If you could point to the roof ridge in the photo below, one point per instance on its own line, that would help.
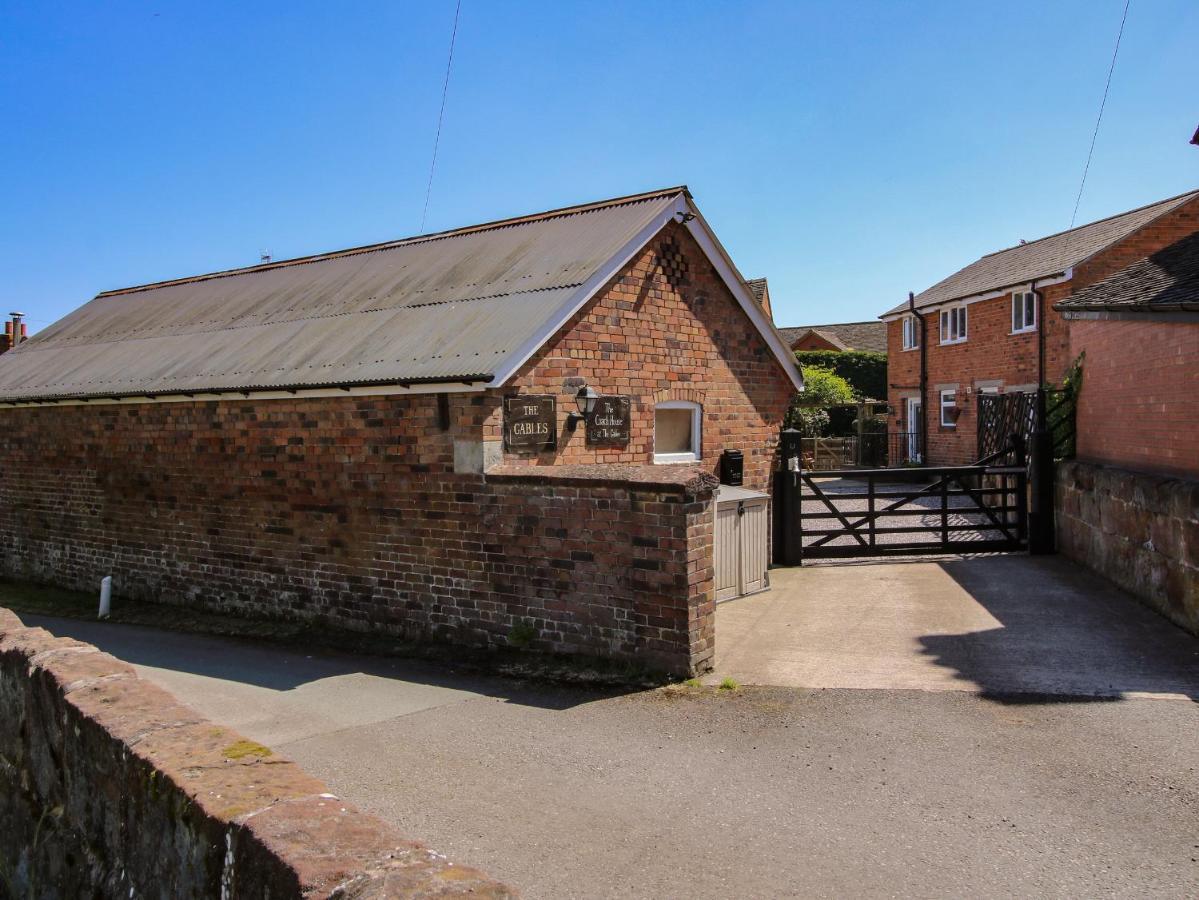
(834, 324)
(1120, 215)
(560, 212)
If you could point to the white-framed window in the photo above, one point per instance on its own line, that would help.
(1024, 311)
(949, 408)
(953, 325)
(677, 437)
(911, 333)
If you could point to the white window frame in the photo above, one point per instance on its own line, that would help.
(953, 324)
(1024, 301)
(952, 394)
(911, 333)
(697, 419)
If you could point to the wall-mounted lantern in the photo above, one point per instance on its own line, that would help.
(585, 401)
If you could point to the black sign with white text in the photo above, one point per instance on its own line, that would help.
(608, 423)
(530, 423)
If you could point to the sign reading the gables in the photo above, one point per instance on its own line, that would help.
(608, 423)
(530, 423)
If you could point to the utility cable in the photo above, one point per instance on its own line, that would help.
(440, 115)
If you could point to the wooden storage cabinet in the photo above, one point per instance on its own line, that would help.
(742, 542)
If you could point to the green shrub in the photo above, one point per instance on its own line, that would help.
(865, 371)
(822, 388)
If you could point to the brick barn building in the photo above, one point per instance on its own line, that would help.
(995, 325)
(512, 427)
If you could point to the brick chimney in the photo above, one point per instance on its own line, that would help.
(15, 332)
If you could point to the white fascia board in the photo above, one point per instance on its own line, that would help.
(978, 298)
(240, 396)
(586, 291)
(714, 250)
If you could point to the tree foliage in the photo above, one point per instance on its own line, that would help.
(865, 371)
(822, 388)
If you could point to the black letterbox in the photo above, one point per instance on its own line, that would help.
(732, 467)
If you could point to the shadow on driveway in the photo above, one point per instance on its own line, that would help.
(1065, 635)
(1013, 628)
(277, 668)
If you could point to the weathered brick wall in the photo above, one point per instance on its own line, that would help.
(1139, 405)
(993, 353)
(1141, 531)
(349, 511)
(111, 788)
(666, 328)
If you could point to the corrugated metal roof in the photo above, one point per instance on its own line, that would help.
(1042, 258)
(451, 305)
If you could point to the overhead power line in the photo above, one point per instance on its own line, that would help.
(440, 115)
(1102, 103)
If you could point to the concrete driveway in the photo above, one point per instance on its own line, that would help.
(1000, 625)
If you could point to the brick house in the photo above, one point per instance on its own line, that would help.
(1128, 504)
(397, 437)
(994, 326)
(867, 336)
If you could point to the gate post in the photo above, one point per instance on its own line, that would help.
(788, 540)
(1041, 538)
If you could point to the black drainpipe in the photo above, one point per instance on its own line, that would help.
(1040, 333)
(1041, 519)
(923, 423)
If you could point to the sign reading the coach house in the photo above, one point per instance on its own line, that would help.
(608, 423)
(530, 423)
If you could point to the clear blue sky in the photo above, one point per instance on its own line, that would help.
(849, 151)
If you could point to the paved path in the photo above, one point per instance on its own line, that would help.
(758, 793)
(996, 625)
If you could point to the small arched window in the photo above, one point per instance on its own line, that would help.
(677, 436)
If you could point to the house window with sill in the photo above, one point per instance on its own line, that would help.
(677, 431)
(1024, 312)
(953, 325)
(911, 333)
(949, 409)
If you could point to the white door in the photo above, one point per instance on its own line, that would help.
(915, 416)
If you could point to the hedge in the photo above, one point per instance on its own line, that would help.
(865, 371)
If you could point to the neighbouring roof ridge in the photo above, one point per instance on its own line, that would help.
(835, 324)
(1119, 215)
(414, 239)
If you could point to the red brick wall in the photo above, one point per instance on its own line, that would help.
(656, 336)
(1139, 405)
(993, 353)
(348, 510)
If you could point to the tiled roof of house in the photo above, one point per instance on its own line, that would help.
(1166, 281)
(844, 336)
(757, 287)
(1042, 258)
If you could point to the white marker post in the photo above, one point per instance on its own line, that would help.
(105, 596)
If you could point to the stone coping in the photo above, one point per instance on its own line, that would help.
(693, 481)
(253, 816)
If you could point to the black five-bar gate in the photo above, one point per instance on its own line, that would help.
(870, 512)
